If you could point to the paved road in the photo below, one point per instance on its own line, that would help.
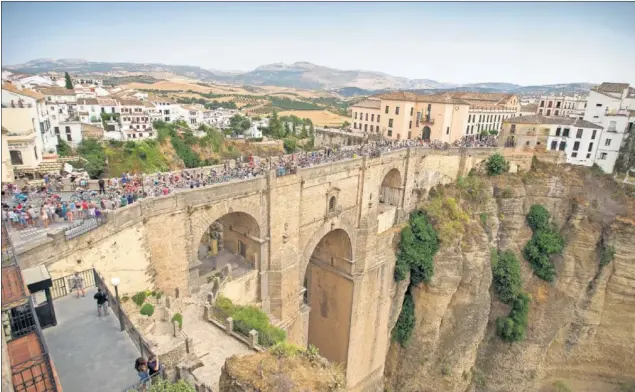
(90, 353)
(22, 237)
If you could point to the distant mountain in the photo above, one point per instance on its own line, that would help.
(302, 75)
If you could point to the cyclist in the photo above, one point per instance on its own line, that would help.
(102, 302)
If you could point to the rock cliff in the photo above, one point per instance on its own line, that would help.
(581, 329)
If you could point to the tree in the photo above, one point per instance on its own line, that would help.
(419, 243)
(346, 124)
(496, 164)
(311, 130)
(303, 133)
(69, 81)
(287, 131)
(293, 128)
(63, 149)
(276, 128)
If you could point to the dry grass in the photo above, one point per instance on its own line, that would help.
(319, 117)
(266, 372)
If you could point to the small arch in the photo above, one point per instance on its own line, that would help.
(332, 204)
(426, 133)
(390, 192)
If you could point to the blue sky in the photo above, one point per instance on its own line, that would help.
(524, 43)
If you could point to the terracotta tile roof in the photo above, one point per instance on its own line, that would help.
(106, 101)
(87, 101)
(369, 103)
(540, 119)
(57, 91)
(496, 98)
(26, 92)
(130, 102)
(612, 87)
(431, 98)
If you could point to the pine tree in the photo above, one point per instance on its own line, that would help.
(287, 130)
(275, 126)
(69, 82)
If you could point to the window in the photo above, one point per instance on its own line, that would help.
(390, 132)
(542, 105)
(57, 130)
(593, 134)
(396, 109)
(390, 122)
(365, 127)
(35, 152)
(69, 137)
(556, 113)
(410, 127)
(355, 125)
(412, 110)
(558, 105)
(372, 117)
(596, 116)
(558, 131)
(576, 146)
(167, 119)
(409, 135)
(612, 126)
(540, 111)
(467, 130)
(565, 133)
(469, 118)
(447, 131)
(472, 129)
(548, 112)
(387, 109)
(562, 146)
(371, 127)
(607, 142)
(588, 156)
(590, 147)
(366, 117)
(67, 129)
(480, 118)
(598, 105)
(574, 155)
(554, 145)
(549, 104)
(603, 155)
(355, 115)
(16, 157)
(578, 135)
(378, 118)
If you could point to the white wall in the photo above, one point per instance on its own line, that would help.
(588, 143)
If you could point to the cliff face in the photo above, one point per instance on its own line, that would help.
(581, 327)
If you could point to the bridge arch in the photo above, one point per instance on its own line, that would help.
(391, 188)
(328, 291)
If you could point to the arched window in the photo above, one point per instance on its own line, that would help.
(332, 203)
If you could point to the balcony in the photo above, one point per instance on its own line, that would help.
(426, 121)
(20, 136)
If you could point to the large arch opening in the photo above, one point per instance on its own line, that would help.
(328, 291)
(233, 239)
(426, 133)
(389, 200)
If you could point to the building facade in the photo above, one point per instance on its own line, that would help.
(7, 167)
(611, 106)
(579, 140)
(405, 115)
(560, 105)
(444, 117)
(135, 120)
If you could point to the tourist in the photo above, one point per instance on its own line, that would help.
(141, 366)
(78, 284)
(44, 217)
(102, 186)
(102, 302)
(154, 367)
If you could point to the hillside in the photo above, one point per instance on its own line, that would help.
(299, 75)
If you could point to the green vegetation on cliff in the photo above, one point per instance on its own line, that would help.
(419, 243)
(247, 318)
(545, 242)
(406, 321)
(512, 328)
(496, 164)
(506, 276)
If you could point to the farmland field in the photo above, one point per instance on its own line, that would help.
(318, 117)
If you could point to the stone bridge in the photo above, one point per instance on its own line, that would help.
(318, 243)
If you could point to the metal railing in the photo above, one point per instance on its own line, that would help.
(17, 322)
(34, 375)
(65, 285)
(142, 345)
(142, 386)
(84, 227)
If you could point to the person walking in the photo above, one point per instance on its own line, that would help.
(78, 284)
(102, 302)
(44, 217)
(141, 366)
(102, 186)
(154, 366)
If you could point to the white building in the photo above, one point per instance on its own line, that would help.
(560, 105)
(220, 117)
(610, 105)
(135, 119)
(108, 105)
(487, 111)
(87, 80)
(165, 109)
(29, 135)
(192, 115)
(253, 132)
(89, 110)
(69, 131)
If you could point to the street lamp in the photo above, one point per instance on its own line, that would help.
(115, 282)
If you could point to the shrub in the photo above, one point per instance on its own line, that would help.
(247, 318)
(448, 217)
(147, 310)
(496, 164)
(607, 255)
(139, 298)
(484, 218)
(560, 386)
(289, 145)
(419, 243)
(125, 299)
(507, 193)
(538, 217)
(512, 328)
(506, 276)
(402, 331)
(178, 318)
(166, 386)
(544, 242)
(286, 350)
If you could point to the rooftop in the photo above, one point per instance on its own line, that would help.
(88, 101)
(532, 107)
(483, 98)
(612, 87)
(540, 119)
(413, 97)
(26, 92)
(57, 91)
(369, 103)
